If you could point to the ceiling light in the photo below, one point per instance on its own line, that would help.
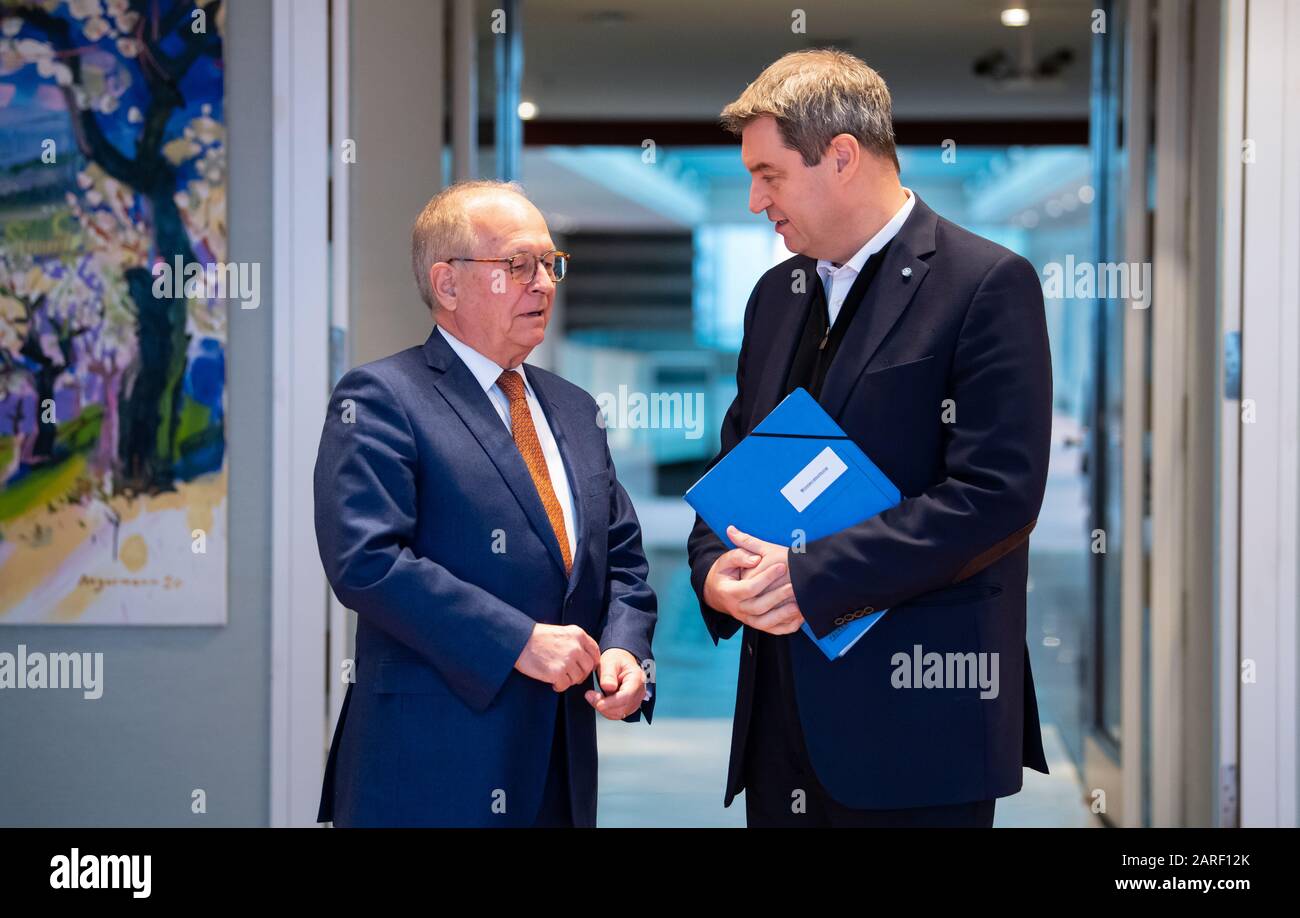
(1015, 16)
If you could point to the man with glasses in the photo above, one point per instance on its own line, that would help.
(468, 510)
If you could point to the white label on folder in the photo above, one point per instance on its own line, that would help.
(815, 478)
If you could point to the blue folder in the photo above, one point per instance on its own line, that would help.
(797, 477)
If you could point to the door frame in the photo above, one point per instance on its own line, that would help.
(300, 361)
(1118, 772)
(1267, 200)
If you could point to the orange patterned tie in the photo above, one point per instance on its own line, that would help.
(525, 434)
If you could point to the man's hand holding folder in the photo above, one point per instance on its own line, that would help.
(751, 583)
(797, 477)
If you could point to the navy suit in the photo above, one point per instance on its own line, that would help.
(431, 529)
(949, 316)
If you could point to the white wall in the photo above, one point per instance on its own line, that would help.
(396, 101)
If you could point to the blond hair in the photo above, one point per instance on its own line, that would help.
(444, 230)
(814, 96)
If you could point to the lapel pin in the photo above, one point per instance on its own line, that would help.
(907, 272)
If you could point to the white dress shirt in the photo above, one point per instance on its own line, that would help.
(486, 370)
(838, 279)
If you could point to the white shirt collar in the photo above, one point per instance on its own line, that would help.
(486, 370)
(874, 244)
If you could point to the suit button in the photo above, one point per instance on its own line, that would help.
(840, 620)
(868, 610)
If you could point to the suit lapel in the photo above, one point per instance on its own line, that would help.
(785, 339)
(900, 275)
(462, 391)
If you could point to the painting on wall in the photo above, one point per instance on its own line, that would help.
(112, 334)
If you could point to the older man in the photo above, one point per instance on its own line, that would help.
(928, 344)
(467, 509)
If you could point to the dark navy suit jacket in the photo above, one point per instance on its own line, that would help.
(431, 529)
(965, 323)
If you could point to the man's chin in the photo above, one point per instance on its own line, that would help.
(796, 244)
(530, 338)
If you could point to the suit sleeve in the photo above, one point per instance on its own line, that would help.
(995, 456)
(703, 547)
(631, 608)
(365, 487)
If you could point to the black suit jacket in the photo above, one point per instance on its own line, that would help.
(944, 380)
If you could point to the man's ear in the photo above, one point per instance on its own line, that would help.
(443, 280)
(845, 154)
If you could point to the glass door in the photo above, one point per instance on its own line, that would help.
(1118, 454)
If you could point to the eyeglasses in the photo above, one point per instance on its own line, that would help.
(523, 265)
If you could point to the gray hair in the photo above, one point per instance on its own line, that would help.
(444, 230)
(814, 96)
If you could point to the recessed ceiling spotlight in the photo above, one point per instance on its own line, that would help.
(1015, 16)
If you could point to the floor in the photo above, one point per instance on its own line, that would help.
(670, 775)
